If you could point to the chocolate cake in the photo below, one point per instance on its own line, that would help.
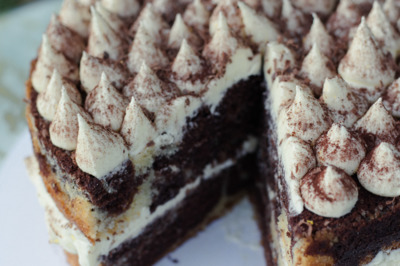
(146, 118)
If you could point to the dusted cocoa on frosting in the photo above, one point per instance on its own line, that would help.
(391, 98)
(319, 36)
(181, 31)
(329, 192)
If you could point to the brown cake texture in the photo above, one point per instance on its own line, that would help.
(150, 118)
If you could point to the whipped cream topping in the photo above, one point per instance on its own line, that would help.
(136, 128)
(282, 93)
(304, 118)
(379, 122)
(297, 159)
(223, 44)
(179, 32)
(144, 48)
(99, 151)
(92, 67)
(319, 36)
(317, 67)
(106, 105)
(185, 67)
(112, 19)
(379, 173)
(329, 192)
(172, 118)
(391, 98)
(146, 87)
(196, 15)
(48, 60)
(318, 6)
(294, 18)
(155, 24)
(64, 40)
(228, 8)
(47, 101)
(392, 11)
(258, 27)
(365, 65)
(64, 127)
(121, 7)
(344, 18)
(272, 8)
(383, 31)
(345, 107)
(76, 16)
(340, 148)
(278, 59)
(103, 42)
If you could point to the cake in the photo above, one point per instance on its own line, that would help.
(150, 118)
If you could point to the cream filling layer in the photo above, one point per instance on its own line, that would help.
(71, 239)
(386, 258)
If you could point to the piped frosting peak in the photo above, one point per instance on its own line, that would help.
(317, 67)
(47, 101)
(391, 98)
(136, 128)
(345, 107)
(64, 127)
(379, 122)
(196, 15)
(76, 16)
(319, 36)
(340, 148)
(179, 32)
(103, 42)
(304, 118)
(329, 192)
(106, 105)
(365, 65)
(229, 8)
(278, 59)
(293, 17)
(99, 151)
(122, 8)
(187, 63)
(92, 67)
(48, 60)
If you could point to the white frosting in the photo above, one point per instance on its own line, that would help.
(317, 67)
(112, 19)
(381, 173)
(258, 27)
(243, 64)
(364, 65)
(106, 105)
(75, 16)
(391, 98)
(146, 87)
(47, 101)
(64, 127)
(329, 193)
(179, 32)
(186, 65)
(171, 118)
(345, 107)
(340, 148)
(378, 121)
(304, 118)
(65, 40)
(344, 17)
(99, 151)
(293, 17)
(196, 15)
(123, 8)
(136, 128)
(223, 44)
(48, 60)
(282, 93)
(102, 38)
(91, 69)
(392, 11)
(277, 59)
(297, 159)
(319, 36)
(271, 7)
(383, 31)
(144, 48)
(386, 257)
(228, 8)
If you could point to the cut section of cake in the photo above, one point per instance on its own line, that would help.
(146, 125)
(328, 191)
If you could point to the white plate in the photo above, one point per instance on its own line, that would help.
(233, 240)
